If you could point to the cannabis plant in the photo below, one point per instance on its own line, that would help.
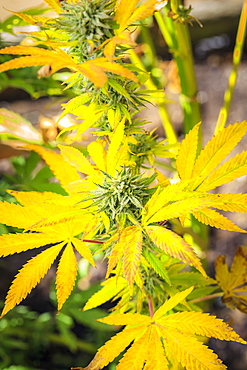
(118, 202)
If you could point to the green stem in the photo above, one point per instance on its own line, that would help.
(237, 54)
(177, 38)
(169, 130)
(150, 53)
(211, 296)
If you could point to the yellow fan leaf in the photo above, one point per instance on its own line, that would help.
(66, 275)
(29, 276)
(93, 73)
(222, 273)
(18, 216)
(145, 10)
(54, 4)
(124, 301)
(176, 335)
(127, 12)
(213, 218)
(97, 152)
(69, 223)
(156, 358)
(171, 303)
(228, 171)
(33, 197)
(177, 209)
(17, 243)
(73, 104)
(80, 186)
(123, 157)
(105, 221)
(118, 249)
(229, 202)
(238, 271)
(191, 353)
(110, 47)
(233, 283)
(90, 114)
(201, 324)
(76, 137)
(172, 244)
(46, 35)
(57, 59)
(126, 319)
(167, 195)
(114, 68)
(123, 38)
(132, 254)
(109, 351)
(116, 140)
(76, 159)
(187, 154)
(93, 222)
(218, 148)
(63, 171)
(162, 179)
(111, 287)
(35, 20)
(135, 356)
(28, 61)
(28, 216)
(113, 118)
(28, 50)
(27, 198)
(60, 218)
(124, 9)
(83, 249)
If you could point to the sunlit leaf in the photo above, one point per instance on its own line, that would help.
(63, 171)
(35, 269)
(66, 275)
(54, 4)
(161, 335)
(218, 148)
(172, 244)
(187, 154)
(233, 282)
(215, 219)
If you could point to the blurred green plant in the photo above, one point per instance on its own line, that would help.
(32, 340)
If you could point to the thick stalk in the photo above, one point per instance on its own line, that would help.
(177, 38)
(237, 54)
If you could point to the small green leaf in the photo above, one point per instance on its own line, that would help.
(157, 265)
